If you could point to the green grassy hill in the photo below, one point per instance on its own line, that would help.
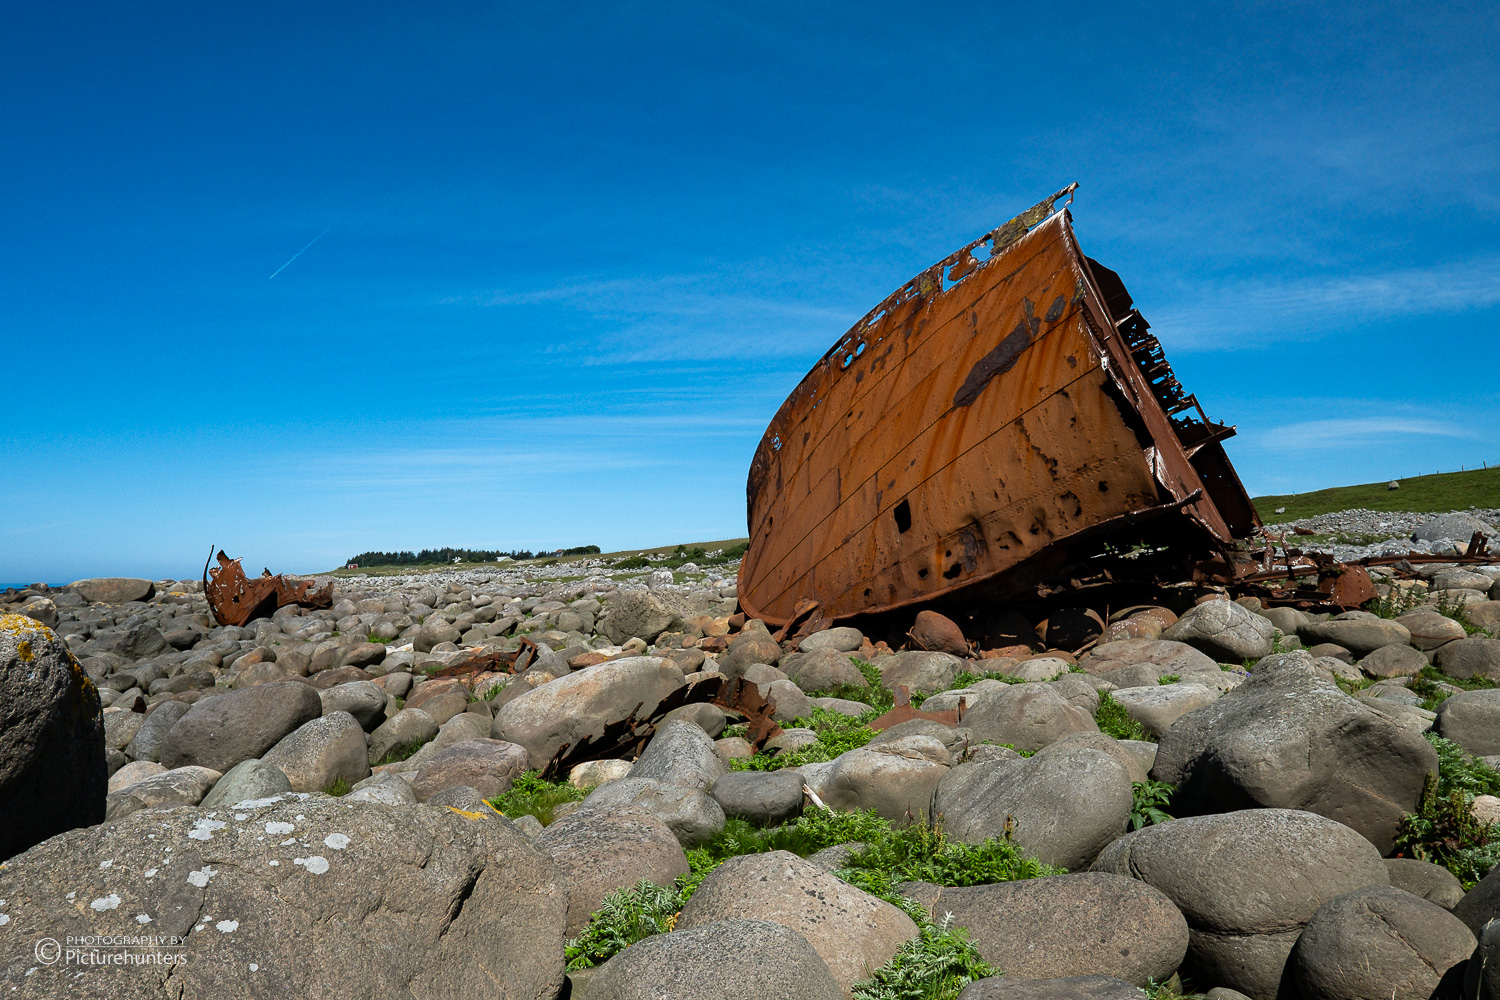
(660, 550)
(1443, 491)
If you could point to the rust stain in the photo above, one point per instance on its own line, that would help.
(977, 437)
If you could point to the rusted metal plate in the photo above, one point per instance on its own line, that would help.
(989, 410)
(234, 599)
(904, 712)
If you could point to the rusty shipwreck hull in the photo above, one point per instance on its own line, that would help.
(996, 422)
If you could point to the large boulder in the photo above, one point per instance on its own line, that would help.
(1247, 882)
(1430, 630)
(854, 932)
(1472, 720)
(1425, 879)
(246, 781)
(134, 643)
(1026, 716)
(598, 851)
(690, 814)
(148, 741)
(1161, 657)
(1360, 632)
(53, 776)
(1062, 807)
(1396, 660)
(1381, 941)
(1067, 988)
(1475, 656)
(822, 670)
(362, 699)
(182, 786)
(401, 733)
(636, 614)
(1289, 738)
(222, 730)
(938, 633)
(1224, 630)
(1158, 706)
(727, 960)
(302, 897)
(841, 640)
(318, 753)
(581, 706)
(113, 589)
(681, 753)
(1090, 923)
(763, 797)
(919, 670)
(488, 766)
(1456, 527)
(895, 778)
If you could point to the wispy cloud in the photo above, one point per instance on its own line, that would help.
(1313, 435)
(1223, 314)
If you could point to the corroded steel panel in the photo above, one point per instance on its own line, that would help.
(984, 412)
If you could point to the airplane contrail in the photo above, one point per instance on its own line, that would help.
(304, 250)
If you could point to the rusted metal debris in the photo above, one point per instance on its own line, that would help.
(904, 712)
(235, 599)
(1003, 426)
(628, 737)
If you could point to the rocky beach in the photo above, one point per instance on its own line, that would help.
(410, 793)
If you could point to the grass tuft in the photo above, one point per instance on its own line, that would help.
(1114, 721)
(532, 795)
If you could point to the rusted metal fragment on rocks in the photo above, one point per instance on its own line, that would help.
(1003, 424)
(235, 599)
(904, 712)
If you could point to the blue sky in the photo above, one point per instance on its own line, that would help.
(573, 256)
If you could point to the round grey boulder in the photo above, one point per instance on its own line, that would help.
(1426, 880)
(840, 640)
(1455, 527)
(148, 741)
(680, 753)
(313, 897)
(1381, 941)
(362, 699)
(1357, 631)
(1158, 656)
(599, 851)
(182, 786)
(1026, 716)
(1089, 923)
(1062, 807)
(727, 960)
(53, 775)
(222, 730)
(920, 671)
(1475, 656)
(408, 728)
(1067, 988)
(485, 764)
(113, 589)
(320, 752)
(1472, 720)
(1247, 882)
(636, 614)
(245, 782)
(853, 931)
(1225, 631)
(824, 669)
(690, 814)
(763, 797)
(1395, 660)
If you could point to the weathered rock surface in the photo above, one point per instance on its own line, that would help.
(1063, 807)
(1472, 720)
(52, 771)
(922, 671)
(1380, 941)
(1159, 656)
(690, 814)
(113, 589)
(763, 797)
(1157, 707)
(1247, 882)
(1026, 716)
(852, 931)
(320, 752)
(182, 786)
(441, 905)
(598, 852)
(1088, 923)
(637, 614)
(1357, 631)
(1288, 738)
(246, 781)
(578, 708)
(488, 766)
(221, 731)
(1225, 631)
(727, 960)
(1426, 880)
(681, 753)
(1068, 988)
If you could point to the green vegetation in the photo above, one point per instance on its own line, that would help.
(338, 787)
(936, 965)
(625, 917)
(966, 679)
(876, 695)
(1428, 685)
(837, 733)
(1442, 491)
(1172, 988)
(1148, 802)
(401, 752)
(1114, 721)
(434, 556)
(1444, 829)
(681, 556)
(933, 966)
(532, 795)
